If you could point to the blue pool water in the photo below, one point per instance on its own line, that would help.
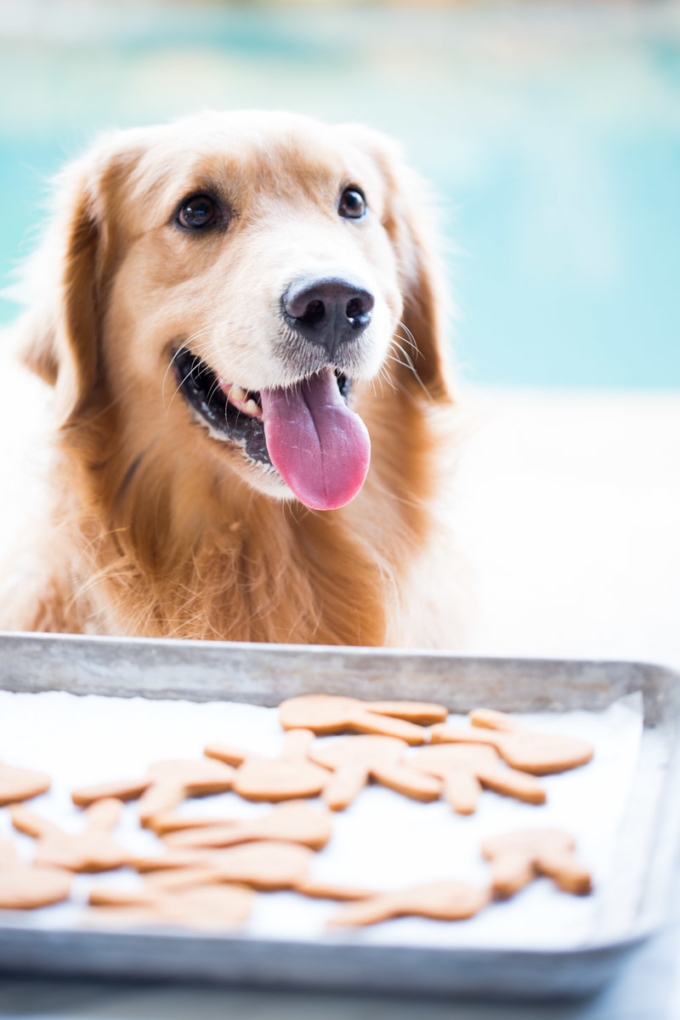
(551, 134)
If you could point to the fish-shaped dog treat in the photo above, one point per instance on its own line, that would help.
(466, 769)
(91, 850)
(21, 784)
(23, 887)
(290, 776)
(356, 761)
(526, 750)
(289, 822)
(211, 908)
(266, 866)
(327, 714)
(517, 858)
(441, 901)
(166, 784)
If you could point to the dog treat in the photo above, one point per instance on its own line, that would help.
(424, 713)
(318, 890)
(23, 887)
(21, 784)
(538, 753)
(327, 714)
(177, 858)
(91, 851)
(441, 901)
(357, 760)
(520, 857)
(291, 822)
(261, 865)
(205, 907)
(303, 885)
(466, 769)
(167, 784)
(266, 866)
(289, 777)
(170, 821)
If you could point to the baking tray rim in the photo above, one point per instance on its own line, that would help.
(352, 651)
(643, 926)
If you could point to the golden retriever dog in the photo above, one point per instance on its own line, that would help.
(241, 315)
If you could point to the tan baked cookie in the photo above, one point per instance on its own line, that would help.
(441, 901)
(176, 858)
(329, 714)
(288, 777)
(465, 769)
(520, 857)
(21, 784)
(538, 753)
(265, 866)
(90, 851)
(170, 821)
(319, 890)
(268, 866)
(291, 822)
(424, 713)
(23, 887)
(166, 784)
(205, 907)
(357, 760)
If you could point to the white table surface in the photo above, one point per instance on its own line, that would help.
(568, 505)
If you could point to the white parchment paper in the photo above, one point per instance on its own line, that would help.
(382, 841)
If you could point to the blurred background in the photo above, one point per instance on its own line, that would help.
(550, 131)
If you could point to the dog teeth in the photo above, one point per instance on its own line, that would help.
(238, 398)
(252, 408)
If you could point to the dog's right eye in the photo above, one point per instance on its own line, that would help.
(197, 212)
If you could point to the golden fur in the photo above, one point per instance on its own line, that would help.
(154, 527)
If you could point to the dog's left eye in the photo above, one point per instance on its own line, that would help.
(197, 212)
(352, 204)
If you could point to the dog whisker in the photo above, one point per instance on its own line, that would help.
(185, 345)
(409, 338)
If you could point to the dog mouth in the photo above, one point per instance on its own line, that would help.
(306, 432)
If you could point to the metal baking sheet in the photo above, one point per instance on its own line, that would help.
(632, 903)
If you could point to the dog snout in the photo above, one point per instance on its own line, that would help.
(329, 312)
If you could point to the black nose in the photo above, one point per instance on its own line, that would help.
(328, 312)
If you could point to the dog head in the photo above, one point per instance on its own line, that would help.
(242, 286)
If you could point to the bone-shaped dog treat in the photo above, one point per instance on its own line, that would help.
(327, 714)
(21, 784)
(266, 866)
(91, 851)
(166, 784)
(357, 760)
(520, 857)
(467, 768)
(538, 753)
(442, 901)
(26, 888)
(286, 778)
(291, 822)
(205, 907)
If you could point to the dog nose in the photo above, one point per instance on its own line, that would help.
(328, 312)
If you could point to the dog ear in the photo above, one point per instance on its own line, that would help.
(66, 279)
(409, 222)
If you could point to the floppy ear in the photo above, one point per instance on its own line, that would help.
(408, 220)
(59, 334)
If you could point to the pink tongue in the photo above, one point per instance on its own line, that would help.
(319, 447)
